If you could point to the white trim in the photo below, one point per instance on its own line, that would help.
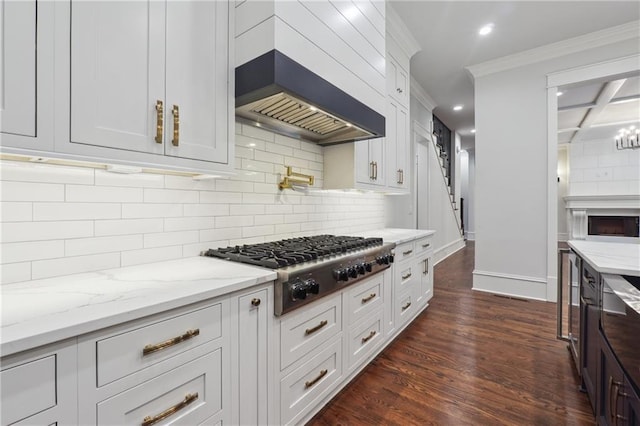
(471, 235)
(456, 245)
(606, 202)
(552, 194)
(421, 95)
(398, 30)
(555, 50)
(563, 236)
(510, 285)
(624, 65)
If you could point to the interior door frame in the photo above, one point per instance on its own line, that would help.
(619, 66)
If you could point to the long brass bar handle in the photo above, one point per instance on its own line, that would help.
(369, 297)
(311, 330)
(426, 267)
(404, 277)
(402, 176)
(188, 399)
(149, 349)
(407, 253)
(310, 383)
(405, 307)
(159, 121)
(375, 170)
(176, 125)
(371, 170)
(399, 176)
(369, 337)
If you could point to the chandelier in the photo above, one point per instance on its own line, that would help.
(628, 138)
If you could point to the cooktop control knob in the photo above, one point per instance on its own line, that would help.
(368, 267)
(312, 286)
(361, 269)
(298, 291)
(390, 257)
(353, 272)
(340, 275)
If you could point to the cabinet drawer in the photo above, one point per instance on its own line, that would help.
(302, 388)
(404, 251)
(301, 332)
(423, 245)
(364, 338)
(188, 394)
(28, 389)
(131, 351)
(406, 306)
(405, 275)
(364, 298)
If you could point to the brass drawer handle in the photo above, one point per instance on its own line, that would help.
(407, 253)
(404, 277)
(369, 297)
(159, 121)
(255, 302)
(426, 245)
(369, 337)
(151, 420)
(149, 349)
(310, 383)
(405, 307)
(308, 331)
(176, 125)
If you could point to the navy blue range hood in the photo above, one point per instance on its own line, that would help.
(275, 92)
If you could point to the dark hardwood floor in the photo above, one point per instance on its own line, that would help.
(470, 359)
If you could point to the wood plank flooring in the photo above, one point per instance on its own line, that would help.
(470, 359)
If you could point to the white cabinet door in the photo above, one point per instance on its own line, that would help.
(253, 321)
(117, 73)
(397, 81)
(26, 80)
(363, 162)
(398, 173)
(196, 74)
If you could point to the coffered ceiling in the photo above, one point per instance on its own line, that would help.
(598, 110)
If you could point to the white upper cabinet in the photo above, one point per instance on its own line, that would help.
(26, 40)
(398, 147)
(397, 81)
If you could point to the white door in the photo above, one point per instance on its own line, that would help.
(197, 108)
(18, 96)
(422, 184)
(117, 73)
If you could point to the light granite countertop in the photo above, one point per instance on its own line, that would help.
(608, 257)
(397, 235)
(44, 311)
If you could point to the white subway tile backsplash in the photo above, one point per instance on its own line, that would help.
(128, 226)
(140, 180)
(256, 133)
(133, 211)
(82, 246)
(136, 257)
(74, 265)
(296, 162)
(614, 159)
(269, 219)
(102, 194)
(288, 228)
(305, 155)
(188, 223)
(232, 186)
(31, 191)
(242, 152)
(32, 172)
(188, 183)
(251, 143)
(266, 188)
(233, 221)
(251, 198)
(274, 160)
(206, 209)
(246, 209)
(220, 234)
(170, 238)
(189, 250)
(32, 250)
(290, 142)
(37, 231)
(16, 212)
(256, 231)
(152, 195)
(15, 272)
(275, 148)
(598, 175)
(258, 165)
(221, 197)
(76, 211)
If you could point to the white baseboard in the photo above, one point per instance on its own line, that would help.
(447, 250)
(510, 285)
(471, 236)
(563, 236)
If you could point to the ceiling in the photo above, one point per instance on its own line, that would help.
(447, 32)
(598, 110)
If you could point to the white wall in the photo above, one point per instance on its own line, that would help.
(467, 190)
(598, 168)
(511, 172)
(563, 191)
(63, 220)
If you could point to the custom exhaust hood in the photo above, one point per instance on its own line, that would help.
(277, 93)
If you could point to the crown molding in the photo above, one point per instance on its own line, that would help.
(421, 95)
(592, 40)
(399, 31)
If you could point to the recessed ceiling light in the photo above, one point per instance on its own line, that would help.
(486, 29)
(473, 130)
(560, 93)
(457, 107)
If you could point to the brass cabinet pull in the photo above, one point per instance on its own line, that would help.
(369, 297)
(404, 277)
(310, 383)
(407, 253)
(149, 349)
(176, 125)
(151, 420)
(369, 337)
(615, 403)
(402, 176)
(159, 121)
(405, 307)
(426, 267)
(375, 170)
(316, 328)
(255, 301)
(426, 245)
(399, 176)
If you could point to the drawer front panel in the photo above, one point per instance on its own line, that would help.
(28, 389)
(186, 395)
(365, 298)
(406, 306)
(404, 251)
(301, 332)
(406, 275)
(364, 338)
(123, 354)
(423, 245)
(301, 389)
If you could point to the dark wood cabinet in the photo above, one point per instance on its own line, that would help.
(590, 319)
